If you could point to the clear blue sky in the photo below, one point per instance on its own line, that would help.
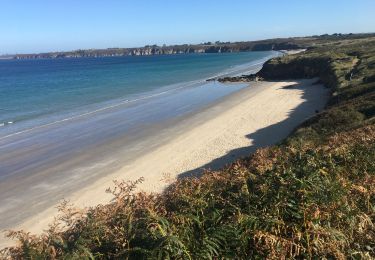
(47, 25)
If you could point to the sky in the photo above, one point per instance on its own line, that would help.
(31, 26)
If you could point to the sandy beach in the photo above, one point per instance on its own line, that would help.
(256, 116)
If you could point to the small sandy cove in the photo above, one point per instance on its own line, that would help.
(259, 115)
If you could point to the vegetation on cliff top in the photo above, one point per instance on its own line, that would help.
(312, 196)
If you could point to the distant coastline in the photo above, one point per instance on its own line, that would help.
(207, 47)
(150, 50)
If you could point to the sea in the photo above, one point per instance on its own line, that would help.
(39, 92)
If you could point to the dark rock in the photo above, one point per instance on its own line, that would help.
(243, 78)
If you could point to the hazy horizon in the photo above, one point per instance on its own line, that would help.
(36, 26)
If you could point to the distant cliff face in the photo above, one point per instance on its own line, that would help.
(169, 50)
(277, 46)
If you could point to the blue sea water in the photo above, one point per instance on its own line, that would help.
(41, 91)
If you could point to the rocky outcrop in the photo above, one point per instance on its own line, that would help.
(284, 68)
(243, 78)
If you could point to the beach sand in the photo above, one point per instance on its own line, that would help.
(256, 116)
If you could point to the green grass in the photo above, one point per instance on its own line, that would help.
(310, 197)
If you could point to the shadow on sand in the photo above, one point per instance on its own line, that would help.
(314, 99)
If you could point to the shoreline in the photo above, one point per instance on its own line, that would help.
(232, 127)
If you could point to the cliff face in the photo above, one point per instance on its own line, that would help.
(169, 50)
(147, 51)
(281, 68)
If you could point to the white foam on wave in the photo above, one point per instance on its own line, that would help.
(6, 123)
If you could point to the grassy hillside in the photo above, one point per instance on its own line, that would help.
(312, 196)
